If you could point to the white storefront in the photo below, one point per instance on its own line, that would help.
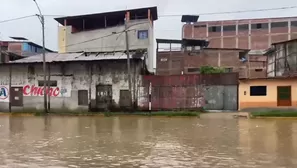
(73, 77)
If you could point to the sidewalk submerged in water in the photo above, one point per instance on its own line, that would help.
(107, 114)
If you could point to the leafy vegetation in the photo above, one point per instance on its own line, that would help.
(211, 70)
(275, 113)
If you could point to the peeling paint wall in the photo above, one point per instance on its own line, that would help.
(185, 92)
(71, 77)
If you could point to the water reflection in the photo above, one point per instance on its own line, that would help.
(146, 142)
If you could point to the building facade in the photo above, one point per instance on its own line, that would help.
(106, 32)
(77, 82)
(21, 47)
(282, 59)
(253, 34)
(267, 93)
(190, 61)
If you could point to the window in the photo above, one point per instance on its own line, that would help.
(260, 26)
(243, 27)
(258, 70)
(229, 28)
(293, 23)
(83, 97)
(258, 90)
(198, 26)
(279, 24)
(242, 56)
(142, 34)
(191, 70)
(214, 29)
(228, 70)
(51, 83)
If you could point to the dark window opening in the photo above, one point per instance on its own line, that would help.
(229, 28)
(83, 97)
(31, 70)
(293, 23)
(242, 55)
(258, 90)
(142, 34)
(198, 26)
(228, 70)
(279, 24)
(260, 26)
(243, 27)
(98, 22)
(191, 70)
(258, 70)
(51, 83)
(214, 29)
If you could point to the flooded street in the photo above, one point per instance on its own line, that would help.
(147, 142)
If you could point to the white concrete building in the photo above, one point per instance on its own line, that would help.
(105, 32)
(77, 81)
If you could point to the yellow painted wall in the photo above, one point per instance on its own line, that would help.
(270, 100)
(62, 39)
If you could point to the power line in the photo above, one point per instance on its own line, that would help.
(212, 13)
(241, 11)
(19, 18)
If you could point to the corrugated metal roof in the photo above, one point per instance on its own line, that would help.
(68, 57)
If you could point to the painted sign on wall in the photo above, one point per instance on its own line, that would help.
(4, 94)
(32, 90)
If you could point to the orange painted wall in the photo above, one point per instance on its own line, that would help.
(270, 100)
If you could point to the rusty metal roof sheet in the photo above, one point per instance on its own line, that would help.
(71, 57)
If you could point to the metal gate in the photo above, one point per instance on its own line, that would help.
(103, 97)
(16, 96)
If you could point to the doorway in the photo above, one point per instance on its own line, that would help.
(103, 97)
(16, 94)
(284, 97)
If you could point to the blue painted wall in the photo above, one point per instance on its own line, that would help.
(30, 48)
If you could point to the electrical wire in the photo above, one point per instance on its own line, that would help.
(19, 18)
(212, 13)
(241, 11)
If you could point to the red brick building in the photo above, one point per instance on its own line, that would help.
(189, 61)
(253, 34)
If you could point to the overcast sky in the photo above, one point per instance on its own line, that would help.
(165, 27)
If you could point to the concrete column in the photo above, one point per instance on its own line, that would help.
(207, 28)
(222, 34)
(149, 16)
(127, 16)
(269, 33)
(250, 38)
(193, 30)
(237, 34)
(289, 29)
(219, 58)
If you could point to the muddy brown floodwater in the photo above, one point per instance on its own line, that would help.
(60, 142)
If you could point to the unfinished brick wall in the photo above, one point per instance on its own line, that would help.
(177, 62)
(246, 35)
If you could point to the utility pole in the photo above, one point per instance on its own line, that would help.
(128, 62)
(46, 90)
